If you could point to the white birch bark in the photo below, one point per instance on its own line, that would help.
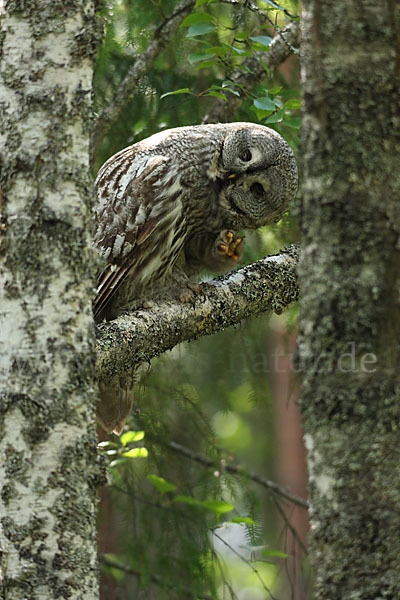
(47, 433)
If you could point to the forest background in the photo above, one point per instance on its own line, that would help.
(228, 399)
(193, 507)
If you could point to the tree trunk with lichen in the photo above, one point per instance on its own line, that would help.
(48, 473)
(349, 346)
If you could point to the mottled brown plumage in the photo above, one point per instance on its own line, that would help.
(170, 206)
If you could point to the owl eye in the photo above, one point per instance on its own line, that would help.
(257, 189)
(245, 156)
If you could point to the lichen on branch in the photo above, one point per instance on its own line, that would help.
(269, 284)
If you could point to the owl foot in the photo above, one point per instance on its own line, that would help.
(229, 245)
(189, 292)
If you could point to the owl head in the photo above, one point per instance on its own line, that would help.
(257, 175)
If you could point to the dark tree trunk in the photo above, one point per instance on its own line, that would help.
(349, 347)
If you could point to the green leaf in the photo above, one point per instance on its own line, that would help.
(265, 67)
(205, 64)
(264, 40)
(274, 553)
(264, 103)
(293, 103)
(240, 51)
(197, 57)
(275, 90)
(202, 2)
(276, 117)
(247, 520)
(218, 50)
(274, 5)
(217, 95)
(200, 17)
(187, 500)
(161, 484)
(117, 574)
(294, 122)
(262, 114)
(200, 29)
(107, 444)
(225, 88)
(136, 453)
(131, 436)
(117, 461)
(277, 102)
(234, 92)
(181, 91)
(217, 506)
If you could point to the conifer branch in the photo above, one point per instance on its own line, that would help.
(108, 562)
(271, 486)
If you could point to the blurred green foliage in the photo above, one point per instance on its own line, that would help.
(213, 396)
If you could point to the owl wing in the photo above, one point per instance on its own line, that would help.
(129, 191)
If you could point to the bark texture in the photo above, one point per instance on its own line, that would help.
(349, 346)
(48, 472)
(268, 284)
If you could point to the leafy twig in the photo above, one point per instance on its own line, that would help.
(141, 67)
(254, 70)
(256, 9)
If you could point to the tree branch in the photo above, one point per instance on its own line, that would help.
(113, 564)
(254, 8)
(162, 36)
(247, 562)
(268, 284)
(272, 486)
(281, 47)
(223, 111)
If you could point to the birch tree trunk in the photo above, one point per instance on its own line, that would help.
(48, 473)
(349, 346)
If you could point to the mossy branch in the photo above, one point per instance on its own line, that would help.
(269, 284)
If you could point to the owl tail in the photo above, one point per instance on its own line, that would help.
(114, 406)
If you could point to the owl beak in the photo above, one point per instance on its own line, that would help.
(232, 176)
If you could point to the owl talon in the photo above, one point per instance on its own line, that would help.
(190, 291)
(229, 245)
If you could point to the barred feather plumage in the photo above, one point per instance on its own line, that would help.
(171, 205)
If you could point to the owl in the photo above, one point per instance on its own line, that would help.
(171, 206)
